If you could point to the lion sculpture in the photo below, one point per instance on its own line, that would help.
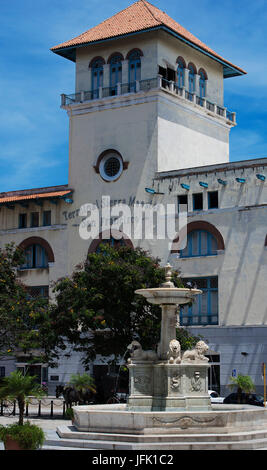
(196, 354)
(137, 353)
(174, 353)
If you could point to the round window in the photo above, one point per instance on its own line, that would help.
(111, 166)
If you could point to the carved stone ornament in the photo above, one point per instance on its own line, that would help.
(174, 353)
(196, 354)
(137, 353)
(175, 383)
(196, 384)
(142, 383)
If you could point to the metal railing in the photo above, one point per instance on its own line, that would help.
(199, 320)
(210, 106)
(220, 111)
(119, 89)
(147, 85)
(43, 407)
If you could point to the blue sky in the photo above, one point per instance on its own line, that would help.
(33, 128)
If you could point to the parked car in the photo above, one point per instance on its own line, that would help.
(215, 397)
(244, 399)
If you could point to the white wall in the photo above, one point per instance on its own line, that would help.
(188, 137)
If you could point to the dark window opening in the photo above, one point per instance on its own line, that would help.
(168, 75)
(182, 200)
(213, 201)
(171, 75)
(162, 72)
(35, 219)
(214, 376)
(197, 202)
(47, 218)
(22, 220)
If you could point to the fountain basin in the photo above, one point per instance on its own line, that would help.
(114, 427)
(148, 426)
(169, 295)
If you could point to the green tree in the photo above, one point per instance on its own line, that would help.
(19, 387)
(97, 310)
(243, 383)
(82, 383)
(186, 339)
(19, 314)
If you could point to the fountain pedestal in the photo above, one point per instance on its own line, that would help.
(168, 387)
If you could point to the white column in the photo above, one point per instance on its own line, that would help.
(124, 71)
(118, 88)
(186, 79)
(168, 329)
(206, 88)
(106, 77)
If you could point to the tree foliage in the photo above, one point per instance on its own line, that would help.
(19, 314)
(97, 309)
(243, 383)
(20, 387)
(82, 383)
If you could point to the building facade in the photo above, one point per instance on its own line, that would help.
(148, 127)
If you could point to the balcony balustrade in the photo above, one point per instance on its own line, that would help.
(147, 85)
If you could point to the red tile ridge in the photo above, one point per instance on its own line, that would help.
(23, 197)
(138, 16)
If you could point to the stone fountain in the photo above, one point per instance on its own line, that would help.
(165, 380)
(168, 405)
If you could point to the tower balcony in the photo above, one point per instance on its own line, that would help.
(141, 86)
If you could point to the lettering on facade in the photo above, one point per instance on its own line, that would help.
(70, 215)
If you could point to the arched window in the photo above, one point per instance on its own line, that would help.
(134, 58)
(107, 238)
(197, 226)
(191, 78)
(180, 72)
(115, 71)
(35, 257)
(97, 75)
(111, 242)
(38, 253)
(199, 243)
(202, 83)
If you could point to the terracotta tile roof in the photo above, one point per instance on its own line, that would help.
(26, 195)
(139, 16)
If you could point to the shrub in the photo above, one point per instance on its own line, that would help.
(29, 436)
(69, 414)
